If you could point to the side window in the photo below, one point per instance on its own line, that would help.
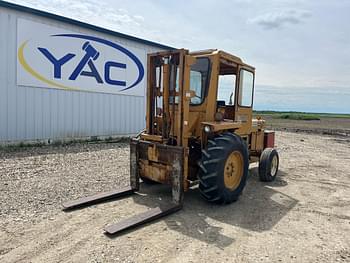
(199, 79)
(196, 85)
(246, 88)
(226, 89)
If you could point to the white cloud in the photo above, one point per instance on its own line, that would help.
(91, 11)
(316, 54)
(280, 18)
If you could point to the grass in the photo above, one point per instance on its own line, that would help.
(293, 115)
(298, 116)
(91, 140)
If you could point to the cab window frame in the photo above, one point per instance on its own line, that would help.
(234, 79)
(205, 87)
(240, 89)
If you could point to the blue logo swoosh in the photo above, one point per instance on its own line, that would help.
(116, 46)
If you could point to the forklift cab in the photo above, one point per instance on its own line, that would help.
(225, 85)
(235, 89)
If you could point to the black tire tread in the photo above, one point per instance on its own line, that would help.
(264, 165)
(214, 158)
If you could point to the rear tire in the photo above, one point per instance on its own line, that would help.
(268, 165)
(223, 169)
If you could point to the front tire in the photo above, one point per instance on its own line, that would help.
(223, 169)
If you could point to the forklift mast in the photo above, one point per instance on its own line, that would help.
(168, 97)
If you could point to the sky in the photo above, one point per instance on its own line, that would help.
(300, 48)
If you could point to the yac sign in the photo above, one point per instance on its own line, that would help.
(50, 57)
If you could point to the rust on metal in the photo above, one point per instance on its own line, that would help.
(269, 139)
(164, 164)
(155, 171)
(98, 198)
(149, 137)
(142, 218)
(134, 170)
(165, 153)
(177, 181)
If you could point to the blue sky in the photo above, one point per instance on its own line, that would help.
(300, 48)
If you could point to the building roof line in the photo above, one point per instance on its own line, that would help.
(80, 24)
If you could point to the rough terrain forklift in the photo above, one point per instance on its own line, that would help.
(199, 130)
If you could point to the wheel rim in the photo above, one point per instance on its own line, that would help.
(274, 165)
(233, 170)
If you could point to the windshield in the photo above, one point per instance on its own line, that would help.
(199, 80)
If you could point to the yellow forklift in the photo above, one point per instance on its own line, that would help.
(199, 130)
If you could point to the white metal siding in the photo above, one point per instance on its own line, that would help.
(29, 113)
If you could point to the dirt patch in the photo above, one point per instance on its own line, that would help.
(324, 126)
(304, 216)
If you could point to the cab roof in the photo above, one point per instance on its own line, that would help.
(223, 55)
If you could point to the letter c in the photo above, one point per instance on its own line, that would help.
(108, 79)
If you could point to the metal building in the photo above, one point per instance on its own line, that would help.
(61, 78)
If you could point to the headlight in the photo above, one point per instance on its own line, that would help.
(207, 128)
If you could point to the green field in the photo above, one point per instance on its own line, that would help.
(293, 115)
(322, 123)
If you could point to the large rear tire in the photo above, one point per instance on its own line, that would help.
(223, 169)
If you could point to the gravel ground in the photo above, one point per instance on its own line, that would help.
(304, 216)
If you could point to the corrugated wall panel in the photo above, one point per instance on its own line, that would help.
(11, 82)
(3, 74)
(30, 113)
